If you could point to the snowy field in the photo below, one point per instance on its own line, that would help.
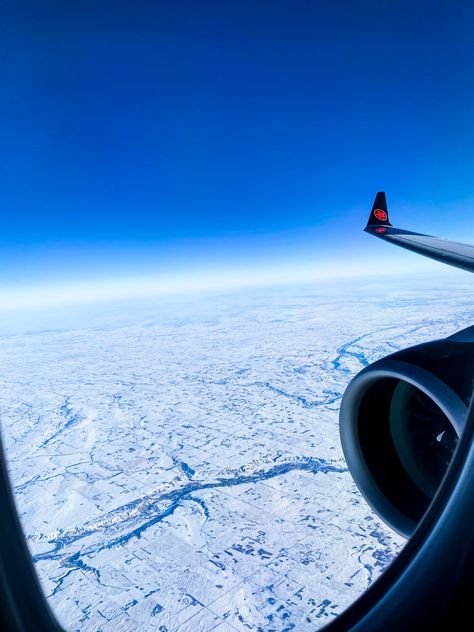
(176, 461)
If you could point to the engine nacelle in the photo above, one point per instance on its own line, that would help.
(400, 420)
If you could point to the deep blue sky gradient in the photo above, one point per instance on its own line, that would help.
(160, 136)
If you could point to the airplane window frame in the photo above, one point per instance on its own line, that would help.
(412, 590)
(23, 606)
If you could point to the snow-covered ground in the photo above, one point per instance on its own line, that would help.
(176, 461)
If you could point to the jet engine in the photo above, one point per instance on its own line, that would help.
(400, 420)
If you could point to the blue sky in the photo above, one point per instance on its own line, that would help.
(218, 139)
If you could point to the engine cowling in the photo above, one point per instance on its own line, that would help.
(400, 420)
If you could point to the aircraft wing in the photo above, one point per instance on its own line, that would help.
(452, 253)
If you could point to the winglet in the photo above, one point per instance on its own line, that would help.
(379, 213)
(449, 252)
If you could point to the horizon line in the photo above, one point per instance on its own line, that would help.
(146, 286)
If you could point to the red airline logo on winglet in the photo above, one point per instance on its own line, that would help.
(380, 215)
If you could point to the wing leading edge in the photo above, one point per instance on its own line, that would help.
(452, 253)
